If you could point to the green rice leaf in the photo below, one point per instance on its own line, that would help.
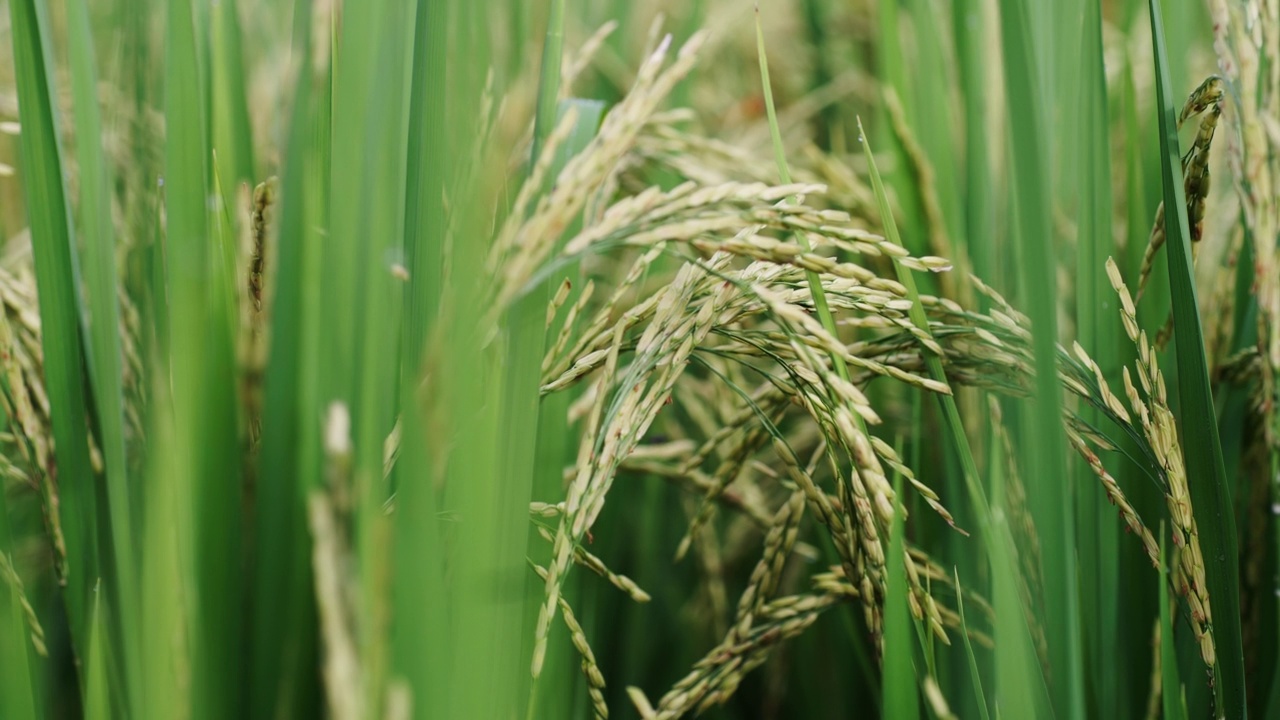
(105, 363)
(1098, 329)
(1044, 458)
(232, 132)
(97, 700)
(378, 47)
(973, 55)
(549, 80)
(166, 577)
(421, 599)
(975, 675)
(430, 164)
(206, 460)
(283, 628)
(51, 240)
(1202, 448)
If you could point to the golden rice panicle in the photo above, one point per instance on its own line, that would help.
(9, 575)
(1159, 427)
(522, 244)
(590, 668)
(768, 571)
(662, 354)
(584, 558)
(1133, 523)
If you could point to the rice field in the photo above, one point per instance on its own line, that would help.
(521, 360)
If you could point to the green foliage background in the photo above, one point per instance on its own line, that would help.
(383, 488)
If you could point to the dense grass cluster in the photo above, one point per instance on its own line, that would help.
(505, 360)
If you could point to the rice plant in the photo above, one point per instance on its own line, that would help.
(493, 359)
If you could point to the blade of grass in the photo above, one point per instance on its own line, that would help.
(359, 307)
(421, 598)
(933, 116)
(354, 62)
(1044, 455)
(381, 47)
(488, 564)
(96, 231)
(978, 202)
(526, 343)
(890, 68)
(816, 18)
(975, 675)
(283, 681)
(224, 240)
(232, 132)
(1019, 680)
(208, 485)
(549, 80)
(164, 583)
(429, 165)
(1097, 326)
(1202, 448)
(97, 703)
(156, 274)
(973, 54)
(51, 240)
(1147, 498)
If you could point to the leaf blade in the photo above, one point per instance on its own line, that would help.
(1210, 492)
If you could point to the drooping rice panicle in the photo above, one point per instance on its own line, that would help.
(10, 577)
(590, 669)
(1150, 407)
(1207, 100)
